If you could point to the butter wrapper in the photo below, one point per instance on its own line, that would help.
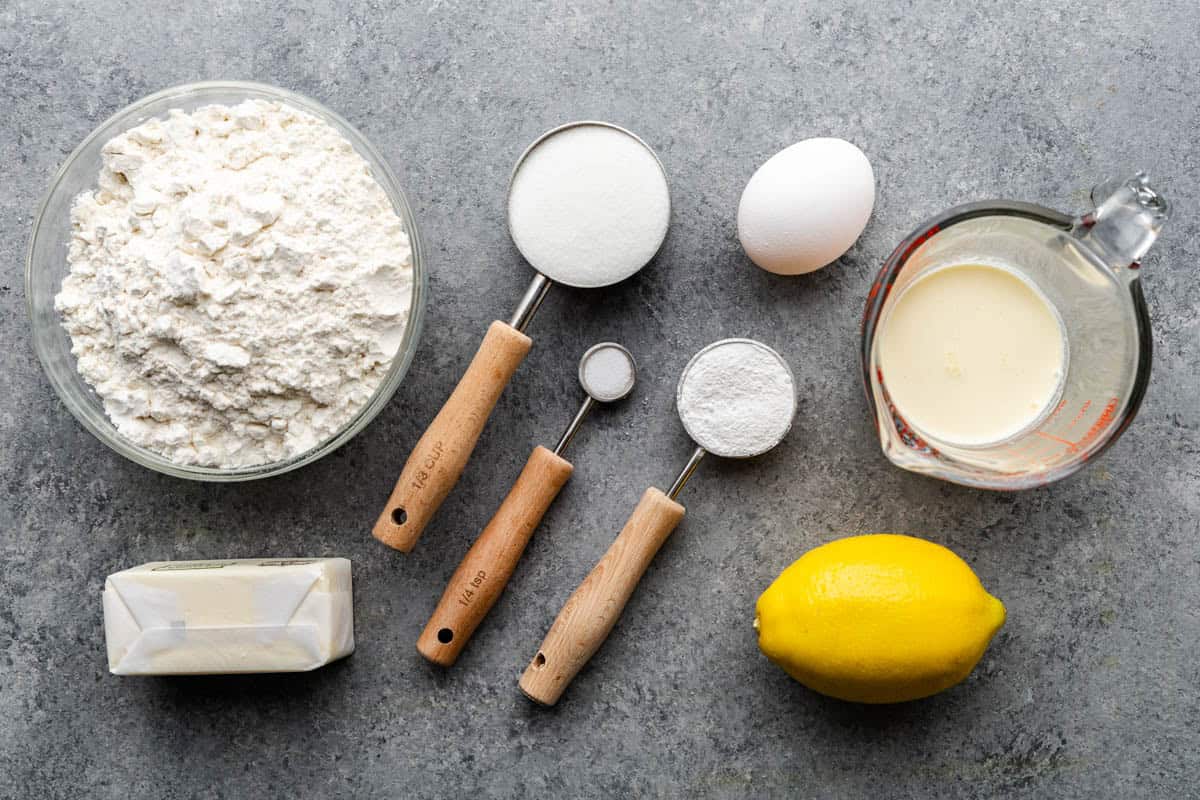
(228, 616)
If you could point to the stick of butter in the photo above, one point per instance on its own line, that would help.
(236, 615)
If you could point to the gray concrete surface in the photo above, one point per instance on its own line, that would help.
(1089, 691)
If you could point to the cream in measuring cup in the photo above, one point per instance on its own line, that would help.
(1005, 345)
(973, 353)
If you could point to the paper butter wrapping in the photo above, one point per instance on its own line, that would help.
(228, 616)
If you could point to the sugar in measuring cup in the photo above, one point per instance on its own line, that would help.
(588, 206)
(1005, 344)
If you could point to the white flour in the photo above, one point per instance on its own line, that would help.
(737, 399)
(238, 284)
(589, 206)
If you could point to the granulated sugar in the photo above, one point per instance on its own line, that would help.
(737, 399)
(589, 206)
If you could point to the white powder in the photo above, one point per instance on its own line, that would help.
(737, 399)
(238, 286)
(607, 373)
(589, 206)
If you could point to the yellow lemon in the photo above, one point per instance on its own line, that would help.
(877, 619)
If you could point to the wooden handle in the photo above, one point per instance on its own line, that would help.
(487, 566)
(439, 457)
(590, 613)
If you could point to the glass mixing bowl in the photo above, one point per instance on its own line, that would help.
(46, 266)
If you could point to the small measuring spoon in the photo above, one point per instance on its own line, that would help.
(556, 188)
(607, 373)
(736, 398)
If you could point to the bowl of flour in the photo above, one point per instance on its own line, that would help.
(225, 282)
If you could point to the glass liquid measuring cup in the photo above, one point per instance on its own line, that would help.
(1087, 267)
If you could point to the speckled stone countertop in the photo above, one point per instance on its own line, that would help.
(1090, 690)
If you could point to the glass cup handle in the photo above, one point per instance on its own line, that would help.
(1125, 222)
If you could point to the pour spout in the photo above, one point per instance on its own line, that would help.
(1125, 222)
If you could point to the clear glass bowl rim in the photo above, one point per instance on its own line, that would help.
(92, 416)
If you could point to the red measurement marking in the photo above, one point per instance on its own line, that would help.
(1106, 418)
(1070, 445)
(917, 242)
(1082, 411)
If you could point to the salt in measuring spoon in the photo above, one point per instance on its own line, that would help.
(607, 373)
(588, 206)
(736, 398)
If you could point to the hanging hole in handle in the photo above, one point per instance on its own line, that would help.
(399, 516)
(445, 636)
(539, 661)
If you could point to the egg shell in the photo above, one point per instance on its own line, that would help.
(806, 206)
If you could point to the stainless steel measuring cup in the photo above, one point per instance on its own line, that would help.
(441, 454)
(1088, 268)
(594, 608)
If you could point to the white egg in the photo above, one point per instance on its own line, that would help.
(806, 206)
